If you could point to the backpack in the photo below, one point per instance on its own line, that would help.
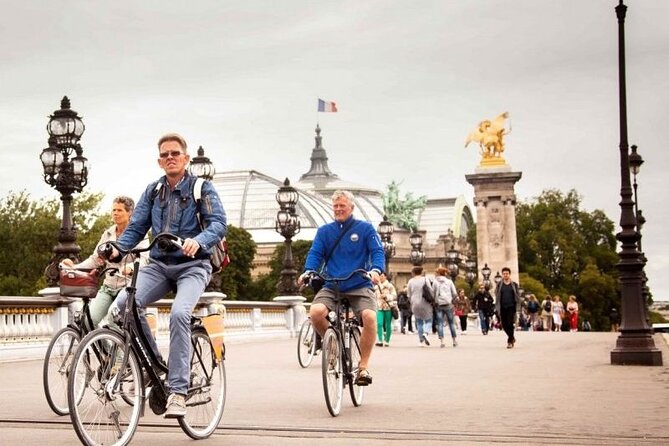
(547, 306)
(532, 306)
(219, 257)
(427, 292)
(446, 292)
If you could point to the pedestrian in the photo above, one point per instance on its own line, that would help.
(533, 309)
(174, 209)
(445, 299)
(507, 304)
(115, 282)
(558, 312)
(339, 248)
(572, 313)
(484, 304)
(421, 308)
(386, 298)
(462, 310)
(404, 306)
(614, 319)
(547, 313)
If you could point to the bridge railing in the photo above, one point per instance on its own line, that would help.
(27, 324)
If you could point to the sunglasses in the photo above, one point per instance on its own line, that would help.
(173, 154)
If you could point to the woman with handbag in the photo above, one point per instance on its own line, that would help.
(386, 300)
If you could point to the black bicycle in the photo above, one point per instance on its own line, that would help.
(60, 353)
(107, 389)
(341, 350)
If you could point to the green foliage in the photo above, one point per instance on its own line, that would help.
(569, 251)
(401, 212)
(264, 287)
(656, 318)
(532, 286)
(236, 278)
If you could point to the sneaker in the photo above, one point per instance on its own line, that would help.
(386, 344)
(176, 406)
(427, 342)
(442, 345)
(455, 343)
(379, 344)
(404, 331)
(363, 378)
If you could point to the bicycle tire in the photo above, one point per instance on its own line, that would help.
(306, 344)
(357, 392)
(331, 369)
(56, 368)
(98, 408)
(205, 401)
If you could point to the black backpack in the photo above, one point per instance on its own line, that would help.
(547, 306)
(427, 292)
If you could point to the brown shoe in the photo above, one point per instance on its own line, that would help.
(509, 345)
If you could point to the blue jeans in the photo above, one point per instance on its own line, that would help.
(448, 312)
(485, 320)
(153, 283)
(423, 326)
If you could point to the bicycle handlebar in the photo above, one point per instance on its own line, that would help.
(165, 242)
(364, 272)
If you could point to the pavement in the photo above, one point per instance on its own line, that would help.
(552, 388)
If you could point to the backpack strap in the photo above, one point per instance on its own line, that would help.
(197, 196)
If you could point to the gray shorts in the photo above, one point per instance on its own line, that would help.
(360, 299)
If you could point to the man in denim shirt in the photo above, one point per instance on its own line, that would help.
(167, 205)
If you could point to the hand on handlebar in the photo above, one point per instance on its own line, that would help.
(305, 277)
(373, 276)
(190, 247)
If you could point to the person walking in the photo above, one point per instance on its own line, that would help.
(339, 248)
(614, 319)
(484, 304)
(572, 313)
(446, 300)
(558, 312)
(547, 313)
(507, 304)
(386, 298)
(533, 309)
(421, 308)
(168, 205)
(404, 305)
(462, 310)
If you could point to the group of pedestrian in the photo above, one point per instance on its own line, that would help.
(554, 313)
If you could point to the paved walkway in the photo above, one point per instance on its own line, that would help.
(553, 388)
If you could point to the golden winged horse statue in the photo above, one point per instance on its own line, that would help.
(490, 136)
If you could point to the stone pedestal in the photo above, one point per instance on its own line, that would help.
(495, 203)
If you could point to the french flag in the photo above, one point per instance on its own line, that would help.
(326, 106)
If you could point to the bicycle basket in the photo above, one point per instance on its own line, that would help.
(78, 283)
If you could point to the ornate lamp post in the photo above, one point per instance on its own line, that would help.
(385, 231)
(635, 344)
(288, 225)
(498, 278)
(470, 275)
(417, 256)
(485, 272)
(453, 256)
(201, 166)
(67, 174)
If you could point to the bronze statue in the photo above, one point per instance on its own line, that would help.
(490, 136)
(402, 212)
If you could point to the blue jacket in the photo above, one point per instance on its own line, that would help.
(361, 247)
(175, 212)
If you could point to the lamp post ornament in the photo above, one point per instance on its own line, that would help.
(288, 225)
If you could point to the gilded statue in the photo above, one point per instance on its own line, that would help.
(490, 136)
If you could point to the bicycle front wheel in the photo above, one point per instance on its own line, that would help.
(333, 377)
(105, 401)
(56, 368)
(357, 392)
(306, 344)
(206, 396)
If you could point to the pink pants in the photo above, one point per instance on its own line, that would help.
(573, 321)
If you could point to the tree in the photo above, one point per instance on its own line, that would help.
(264, 287)
(236, 278)
(569, 251)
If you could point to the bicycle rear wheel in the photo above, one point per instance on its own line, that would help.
(357, 392)
(306, 344)
(56, 368)
(206, 396)
(99, 391)
(333, 377)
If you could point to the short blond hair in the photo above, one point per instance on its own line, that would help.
(173, 137)
(343, 193)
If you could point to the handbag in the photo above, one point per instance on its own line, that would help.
(395, 312)
(79, 283)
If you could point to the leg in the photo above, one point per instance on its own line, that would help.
(451, 323)
(410, 323)
(367, 337)
(440, 324)
(379, 327)
(99, 306)
(388, 326)
(507, 316)
(463, 322)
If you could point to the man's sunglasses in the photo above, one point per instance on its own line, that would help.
(173, 154)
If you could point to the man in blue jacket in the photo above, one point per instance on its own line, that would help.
(345, 245)
(168, 205)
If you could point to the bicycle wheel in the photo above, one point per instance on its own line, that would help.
(306, 344)
(206, 396)
(56, 368)
(357, 392)
(333, 378)
(98, 401)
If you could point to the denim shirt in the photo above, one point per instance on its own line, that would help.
(175, 211)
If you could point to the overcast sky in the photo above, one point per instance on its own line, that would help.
(410, 79)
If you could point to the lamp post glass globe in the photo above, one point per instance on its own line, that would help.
(486, 272)
(201, 166)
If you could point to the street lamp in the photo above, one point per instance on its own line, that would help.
(288, 225)
(201, 166)
(385, 231)
(485, 272)
(498, 278)
(635, 343)
(453, 256)
(67, 174)
(470, 275)
(417, 256)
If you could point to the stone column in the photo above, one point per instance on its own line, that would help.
(495, 201)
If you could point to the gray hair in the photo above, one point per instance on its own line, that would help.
(173, 137)
(127, 202)
(343, 193)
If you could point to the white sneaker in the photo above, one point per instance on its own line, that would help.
(176, 406)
